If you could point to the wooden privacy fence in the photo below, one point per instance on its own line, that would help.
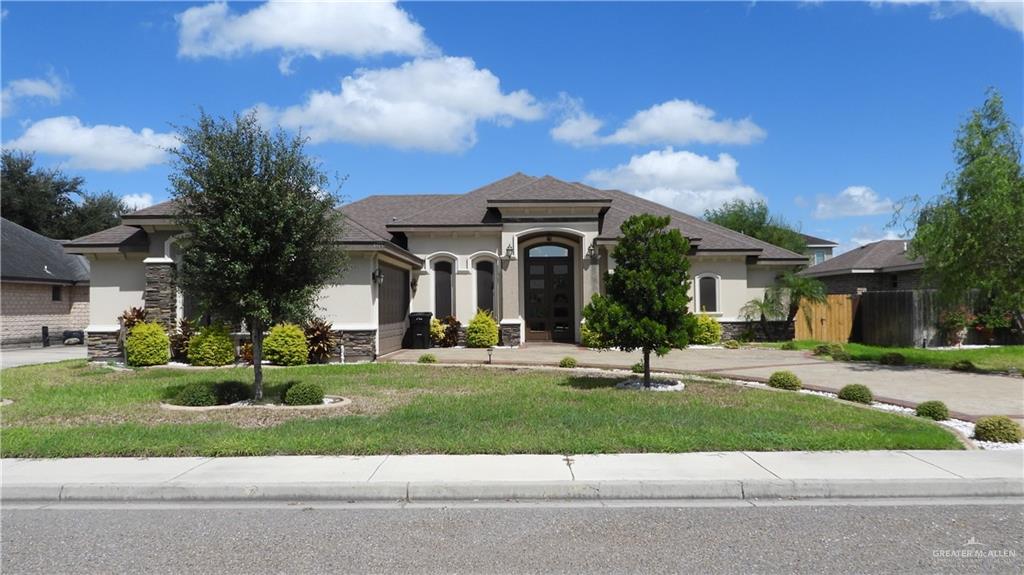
(831, 321)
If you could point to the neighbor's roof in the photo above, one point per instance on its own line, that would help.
(881, 256)
(817, 242)
(28, 256)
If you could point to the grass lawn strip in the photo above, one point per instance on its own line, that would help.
(990, 359)
(73, 409)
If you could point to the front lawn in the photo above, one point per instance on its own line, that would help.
(994, 359)
(74, 409)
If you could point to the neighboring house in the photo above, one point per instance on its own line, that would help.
(532, 250)
(40, 285)
(881, 265)
(818, 250)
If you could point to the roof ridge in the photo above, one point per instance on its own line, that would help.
(469, 194)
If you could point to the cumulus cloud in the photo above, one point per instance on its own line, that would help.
(51, 89)
(99, 147)
(853, 201)
(137, 201)
(428, 104)
(1007, 14)
(318, 29)
(679, 179)
(675, 122)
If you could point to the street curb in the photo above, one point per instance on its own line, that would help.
(504, 491)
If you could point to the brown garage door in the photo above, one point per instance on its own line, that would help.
(392, 308)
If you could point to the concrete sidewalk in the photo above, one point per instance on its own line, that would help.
(17, 356)
(726, 475)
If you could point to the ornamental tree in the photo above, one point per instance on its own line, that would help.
(262, 226)
(646, 296)
(751, 217)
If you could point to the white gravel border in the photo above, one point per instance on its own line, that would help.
(656, 385)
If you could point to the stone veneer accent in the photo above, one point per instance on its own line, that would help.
(161, 297)
(102, 346)
(510, 335)
(359, 345)
(779, 330)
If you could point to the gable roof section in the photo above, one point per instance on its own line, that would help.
(469, 209)
(815, 242)
(877, 257)
(28, 256)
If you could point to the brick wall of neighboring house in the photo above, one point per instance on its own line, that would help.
(855, 283)
(26, 307)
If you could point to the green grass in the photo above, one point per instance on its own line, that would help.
(72, 409)
(993, 359)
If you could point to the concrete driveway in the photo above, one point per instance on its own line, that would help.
(29, 356)
(969, 395)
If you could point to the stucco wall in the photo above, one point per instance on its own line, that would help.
(115, 284)
(25, 308)
(350, 302)
(462, 248)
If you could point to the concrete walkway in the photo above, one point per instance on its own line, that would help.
(13, 357)
(726, 475)
(968, 395)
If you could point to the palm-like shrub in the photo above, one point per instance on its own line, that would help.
(784, 380)
(286, 345)
(211, 345)
(304, 393)
(482, 330)
(857, 393)
(320, 340)
(706, 330)
(997, 428)
(147, 344)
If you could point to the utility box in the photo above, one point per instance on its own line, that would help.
(419, 329)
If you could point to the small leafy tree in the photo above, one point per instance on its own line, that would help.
(645, 305)
(262, 225)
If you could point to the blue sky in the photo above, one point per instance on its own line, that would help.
(829, 111)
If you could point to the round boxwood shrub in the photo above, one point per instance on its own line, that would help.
(638, 367)
(822, 349)
(841, 355)
(304, 393)
(482, 330)
(788, 346)
(856, 392)
(732, 344)
(211, 345)
(963, 365)
(893, 358)
(196, 394)
(933, 410)
(286, 345)
(997, 428)
(427, 358)
(784, 380)
(706, 330)
(147, 344)
(567, 362)
(231, 392)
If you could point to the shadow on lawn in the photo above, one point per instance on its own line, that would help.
(232, 390)
(589, 382)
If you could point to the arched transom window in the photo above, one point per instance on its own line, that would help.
(707, 294)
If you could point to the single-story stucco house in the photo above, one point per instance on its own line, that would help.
(878, 266)
(531, 249)
(40, 286)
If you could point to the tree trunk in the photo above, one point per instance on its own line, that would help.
(764, 328)
(256, 330)
(647, 368)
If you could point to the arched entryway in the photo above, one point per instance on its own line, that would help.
(549, 291)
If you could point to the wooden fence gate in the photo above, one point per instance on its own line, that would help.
(831, 321)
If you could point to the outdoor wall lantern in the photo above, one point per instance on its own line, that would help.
(592, 254)
(377, 276)
(509, 252)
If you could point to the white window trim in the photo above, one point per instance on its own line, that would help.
(697, 304)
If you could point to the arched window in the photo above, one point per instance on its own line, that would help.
(707, 294)
(443, 288)
(485, 285)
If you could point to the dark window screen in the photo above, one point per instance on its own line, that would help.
(485, 286)
(443, 289)
(708, 297)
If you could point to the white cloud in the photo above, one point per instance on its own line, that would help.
(682, 180)
(99, 147)
(427, 104)
(137, 201)
(1007, 14)
(675, 122)
(51, 88)
(853, 201)
(318, 29)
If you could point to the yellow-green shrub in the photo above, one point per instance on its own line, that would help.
(286, 345)
(211, 345)
(590, 338)
(147, 344)
(436, 331)
(482, 330)
(706, 330)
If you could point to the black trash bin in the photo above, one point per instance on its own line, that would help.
(419, 328)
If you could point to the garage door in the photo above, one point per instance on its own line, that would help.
(392, 308)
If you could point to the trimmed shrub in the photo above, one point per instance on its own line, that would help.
(196, 394)
(451, 331)
(732, 344)
(841, 355)
(835, 348)
(286, 345)
(706, 330)
(567, 362)
(892, 358)
(211, 345)
(304, 393)
(963, 365)
(228, 392)
(788, 346)
(638, 367)
(482, 330)
(933, 410)
(822, 349)
(427, 358)
(590, 338)
(320, 340)
(856, 392)
(784, 380)
(147, 344)
(436, 331)
(997, 428)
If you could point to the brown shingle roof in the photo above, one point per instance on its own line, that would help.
(375, 212)
(815, 241)
(162, 210)
(118, 236)
(879, 256)
(28, 256)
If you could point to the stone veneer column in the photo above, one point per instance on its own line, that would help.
(161, 296)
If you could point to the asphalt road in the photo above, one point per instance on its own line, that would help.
(867, 537)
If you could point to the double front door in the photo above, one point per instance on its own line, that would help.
(548, 287)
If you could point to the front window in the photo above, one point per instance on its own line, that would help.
(485, 285)
(442, 289)
(55, 293)
(707, 294)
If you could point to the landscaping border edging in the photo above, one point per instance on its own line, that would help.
(343, 401)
